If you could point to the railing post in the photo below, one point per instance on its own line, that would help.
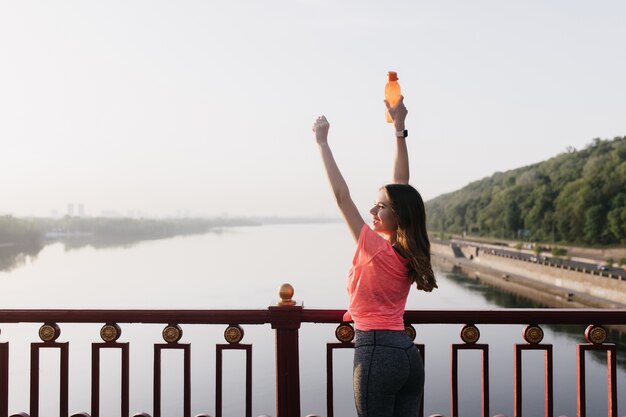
(285, 318)
(4, 379)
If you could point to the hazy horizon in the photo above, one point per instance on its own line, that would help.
(204, 108)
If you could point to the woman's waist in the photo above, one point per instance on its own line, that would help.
(390, 338)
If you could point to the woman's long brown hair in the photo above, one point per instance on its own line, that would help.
(411, 238)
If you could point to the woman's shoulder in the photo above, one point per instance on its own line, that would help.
(373, 244)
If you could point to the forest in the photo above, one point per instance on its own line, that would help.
(577, 197)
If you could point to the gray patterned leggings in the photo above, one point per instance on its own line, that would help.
(388, 374)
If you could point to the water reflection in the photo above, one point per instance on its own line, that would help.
(14, 256)
(504, 299)
(492, 294)
(117, 241)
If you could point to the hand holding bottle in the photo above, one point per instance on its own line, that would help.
(397, 113)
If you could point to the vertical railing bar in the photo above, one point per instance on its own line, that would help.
(187, 378)
(485, 349)
(454, 381)
(34, 379)
(517, 381)
(218, 380)
(422, 349)
(64, 378)
(580, 380)
(4, 379)
(248, 380)
(156, 408)
(549, 400)
(125, 405)
(95, 380)
(612, 379)
(329, 380)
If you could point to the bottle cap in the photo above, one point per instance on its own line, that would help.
(393, 76)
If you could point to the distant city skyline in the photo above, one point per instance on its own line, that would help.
(82, 211)
(159, 107)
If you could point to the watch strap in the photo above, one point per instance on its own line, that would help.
(402, 133)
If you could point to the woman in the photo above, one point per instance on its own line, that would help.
(390, 256)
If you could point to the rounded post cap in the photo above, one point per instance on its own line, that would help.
(285, 295)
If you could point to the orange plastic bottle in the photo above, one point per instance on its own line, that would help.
(392, 93)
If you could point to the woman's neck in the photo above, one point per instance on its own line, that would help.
(391, 237)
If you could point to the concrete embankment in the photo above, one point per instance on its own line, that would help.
(554, 287)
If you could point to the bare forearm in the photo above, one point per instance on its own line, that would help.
(337, 182)
(401, 163)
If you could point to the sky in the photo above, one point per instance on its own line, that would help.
(205, 108)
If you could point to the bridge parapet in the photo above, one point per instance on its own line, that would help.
(286, 317)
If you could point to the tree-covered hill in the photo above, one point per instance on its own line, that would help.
(576, 197)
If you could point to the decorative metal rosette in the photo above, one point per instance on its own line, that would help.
(344, 333)
(49, 332)
(410, 330)
(172, 333)
(533, 334)
(110, 332)
(470, 334)
(233, 334)
(595, 334)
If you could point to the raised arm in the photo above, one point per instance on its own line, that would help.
(401, 162)
(337, 183)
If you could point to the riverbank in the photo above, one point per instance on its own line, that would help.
(509, 279)
(592, 254)
(536, 282)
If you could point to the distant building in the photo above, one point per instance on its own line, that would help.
(81, 210)
(70, 209)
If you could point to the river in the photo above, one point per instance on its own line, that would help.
(242, 267)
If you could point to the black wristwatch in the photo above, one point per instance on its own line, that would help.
(402, 134)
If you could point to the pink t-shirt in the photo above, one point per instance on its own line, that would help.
(378, 284)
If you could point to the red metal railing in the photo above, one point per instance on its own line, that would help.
(285, 318)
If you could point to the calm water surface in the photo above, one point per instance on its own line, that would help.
(242, 268)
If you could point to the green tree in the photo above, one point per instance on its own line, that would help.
(576, 197)
(595, 224)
